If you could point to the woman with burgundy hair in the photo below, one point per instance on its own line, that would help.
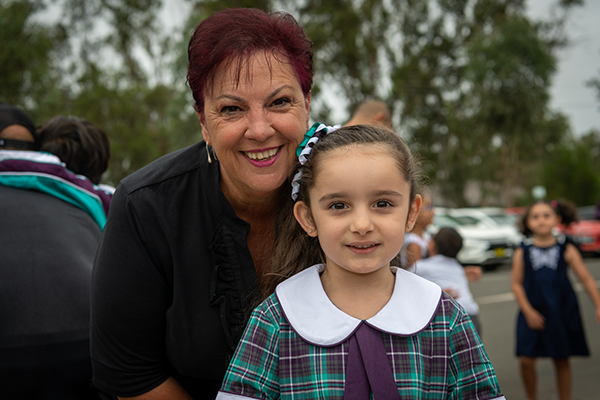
(186, 248)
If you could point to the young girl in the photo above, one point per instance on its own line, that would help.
(352, 326)
(549, 323)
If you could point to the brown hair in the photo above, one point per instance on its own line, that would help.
(566, 210)
(448, 242)
(294, 249)
(81, 145)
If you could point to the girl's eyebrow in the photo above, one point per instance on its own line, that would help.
(387, 193)
(331, 196)
(377, 193)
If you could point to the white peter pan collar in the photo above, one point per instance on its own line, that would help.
(318, 321)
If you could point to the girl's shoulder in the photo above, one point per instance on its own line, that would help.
(561, 240)
(449, 311)
(269, 311)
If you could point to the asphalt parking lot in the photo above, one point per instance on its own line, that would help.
(498, 312)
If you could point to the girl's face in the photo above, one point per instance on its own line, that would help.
(542, 219)
(359, 209)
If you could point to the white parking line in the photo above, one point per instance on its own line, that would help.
(499, 298)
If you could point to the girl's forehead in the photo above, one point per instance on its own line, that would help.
(356, 160)
(361, 150)
(541, 207)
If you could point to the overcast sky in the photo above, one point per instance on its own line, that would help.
(576, 65)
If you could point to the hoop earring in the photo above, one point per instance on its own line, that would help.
(208, 154)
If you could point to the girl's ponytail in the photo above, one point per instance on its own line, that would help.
(566, 210)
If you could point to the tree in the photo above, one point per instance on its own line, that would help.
(571, 170)
(26, 56)
(468, 81)
(61, 68)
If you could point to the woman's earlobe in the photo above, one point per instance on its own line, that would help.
(203, 129)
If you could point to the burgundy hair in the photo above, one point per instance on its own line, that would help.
(230, 37)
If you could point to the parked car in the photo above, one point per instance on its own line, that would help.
(493, 218)
(485, 244)
(585, 233)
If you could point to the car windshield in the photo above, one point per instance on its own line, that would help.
(446, 220)
(505, 219)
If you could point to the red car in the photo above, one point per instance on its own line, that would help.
(585, 233)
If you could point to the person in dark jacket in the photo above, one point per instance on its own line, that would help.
(186, 248)
(48, 239)
(81, 145)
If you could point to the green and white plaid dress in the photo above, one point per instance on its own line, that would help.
(296, 345)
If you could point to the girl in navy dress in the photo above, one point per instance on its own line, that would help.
(549, 323)
(347, 323)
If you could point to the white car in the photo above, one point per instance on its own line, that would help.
(485, 243)
(492, 218)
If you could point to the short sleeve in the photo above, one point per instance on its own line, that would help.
(128, 307)
(472, 375)
(253, 371)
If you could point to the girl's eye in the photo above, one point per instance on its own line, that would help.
(337, 206)
(229, 109)
(281, 102)
(383, 204)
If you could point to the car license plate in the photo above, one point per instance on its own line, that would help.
(499, 252)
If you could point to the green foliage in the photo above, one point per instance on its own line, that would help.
(26, 56)
(467, 81)
(571, 171)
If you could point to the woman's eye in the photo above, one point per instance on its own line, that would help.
(281, 102)
(337, 206)
(229, 109)
(383, 204)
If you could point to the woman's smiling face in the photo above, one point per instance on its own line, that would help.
(254, 124)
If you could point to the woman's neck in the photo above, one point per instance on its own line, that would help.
(252, 208)
(260, 211)
(358, 295)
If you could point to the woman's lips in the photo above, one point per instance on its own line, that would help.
(262, 158)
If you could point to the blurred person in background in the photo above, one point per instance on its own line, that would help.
(441, 267)
(372, 112)
(81, 145)
(51, 223)
(417, 240)
(549, 323)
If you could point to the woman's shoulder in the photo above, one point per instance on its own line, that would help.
(166, 168)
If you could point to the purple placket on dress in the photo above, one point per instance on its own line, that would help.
(368, 367)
